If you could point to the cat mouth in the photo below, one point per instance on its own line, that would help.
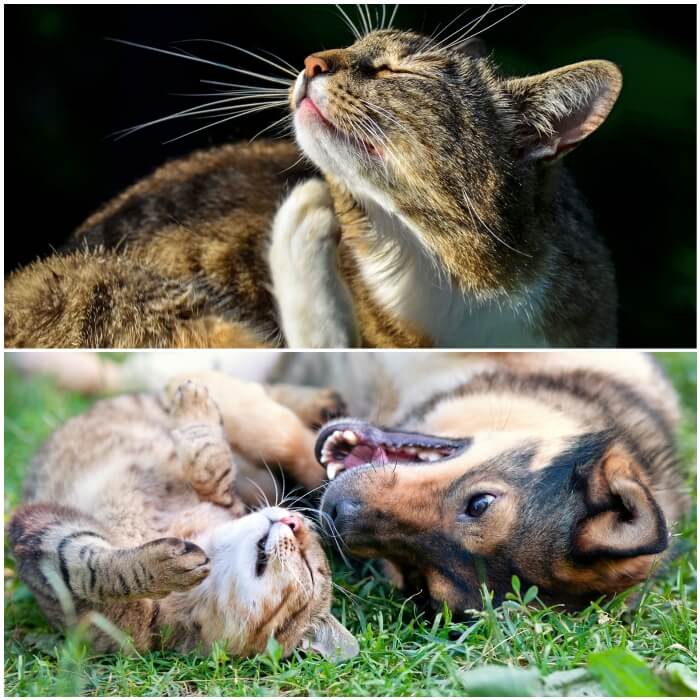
(341, 446)
(365, 146)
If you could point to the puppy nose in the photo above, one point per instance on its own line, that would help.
(292, 521)
(315, 65)
(343, 512)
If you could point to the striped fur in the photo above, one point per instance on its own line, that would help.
(464, 231)
(132, 511)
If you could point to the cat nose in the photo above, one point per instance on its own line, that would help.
(315, 65)
(292, 521)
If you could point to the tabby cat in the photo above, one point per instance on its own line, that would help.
(132, 512)
(438, 213)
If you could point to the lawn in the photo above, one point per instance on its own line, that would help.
(641, 644)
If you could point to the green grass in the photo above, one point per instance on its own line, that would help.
(645, 638)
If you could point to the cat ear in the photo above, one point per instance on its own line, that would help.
(624, 520)
(559, 109)
(332, 640)
(474, 48)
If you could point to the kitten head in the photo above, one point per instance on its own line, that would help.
(269, 578)
(436, 136)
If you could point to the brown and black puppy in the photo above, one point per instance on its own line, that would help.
(558, 468)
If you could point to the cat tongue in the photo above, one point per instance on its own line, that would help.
(365, 454)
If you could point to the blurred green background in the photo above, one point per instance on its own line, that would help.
(67, 89)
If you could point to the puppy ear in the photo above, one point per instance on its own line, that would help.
(559, 109)
(332, 640)
(624, 519)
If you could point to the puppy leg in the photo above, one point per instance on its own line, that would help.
(314, 304)
(313, 406)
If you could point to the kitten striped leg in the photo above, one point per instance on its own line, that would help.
(61, 551)
(314, 304)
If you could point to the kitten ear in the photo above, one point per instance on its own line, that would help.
(559, 109)
(332, 640)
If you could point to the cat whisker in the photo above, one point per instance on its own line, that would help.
(286, 117)
(274, 480)
(184, 54)
(349, 23)
(279, 67)
(364, 21)
(474, 213)
(390, 25)
(185, 112)
(221, 121)
(263, 495)
(280, 91)
(435, 36)
(471, 33)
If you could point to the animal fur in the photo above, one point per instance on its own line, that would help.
(447, 220)
(132, 512)
(577, 449)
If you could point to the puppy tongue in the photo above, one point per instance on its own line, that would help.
(365, 454)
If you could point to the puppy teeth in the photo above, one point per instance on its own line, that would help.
(350, 437)
(410, 450)
(333, 469)
(428, 456)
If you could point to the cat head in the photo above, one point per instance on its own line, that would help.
(269, 578)
(437, 137)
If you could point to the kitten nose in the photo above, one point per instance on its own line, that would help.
(315, 65)
(292, 521)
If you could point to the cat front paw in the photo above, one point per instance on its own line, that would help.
(305, 225)
(174, 565)
(314, 303)
(190, 403)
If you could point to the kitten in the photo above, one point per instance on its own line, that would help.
(444, 218)
(132, 512)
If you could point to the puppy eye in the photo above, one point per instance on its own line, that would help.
(478, 504)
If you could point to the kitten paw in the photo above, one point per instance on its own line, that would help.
(191, 403)
(174, 565)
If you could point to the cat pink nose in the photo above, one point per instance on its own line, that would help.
(292, 521)
(315, 65)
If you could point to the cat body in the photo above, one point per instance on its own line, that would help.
(443, 219)
(132, 512)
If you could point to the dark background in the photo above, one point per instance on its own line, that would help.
(67, 89)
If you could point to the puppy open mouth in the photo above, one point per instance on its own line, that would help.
(346, 445)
